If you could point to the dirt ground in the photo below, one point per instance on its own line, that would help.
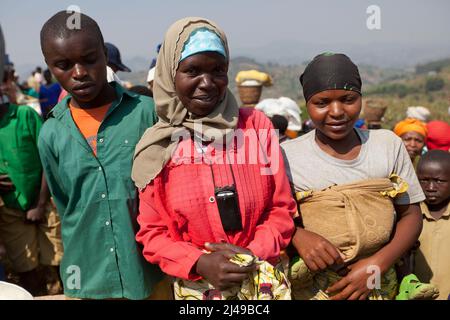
(52, 289)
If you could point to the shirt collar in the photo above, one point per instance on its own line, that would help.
(62, 107)
(427, 214)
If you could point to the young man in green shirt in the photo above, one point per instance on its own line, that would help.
(29, 225)
(86, 147)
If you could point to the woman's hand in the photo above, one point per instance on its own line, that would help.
(355, 286)
(217, 269)
(317, 252)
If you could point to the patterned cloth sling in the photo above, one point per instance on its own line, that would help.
(358, 219)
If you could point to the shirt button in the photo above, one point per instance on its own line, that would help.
(103, 195)
(212, 199)
(99, 168)
(126, 141)
(6, 163)
(107, 223)
(100, 140)
(112, 249)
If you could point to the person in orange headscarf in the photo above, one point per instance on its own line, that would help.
(414, 134)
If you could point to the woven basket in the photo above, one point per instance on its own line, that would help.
(374, 110)
(250, 95)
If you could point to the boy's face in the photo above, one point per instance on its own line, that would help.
(434, 178)
(334, 112)
(79, 64)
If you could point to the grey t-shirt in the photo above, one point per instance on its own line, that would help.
(382, 153)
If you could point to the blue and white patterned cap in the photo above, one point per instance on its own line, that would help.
(202, 40)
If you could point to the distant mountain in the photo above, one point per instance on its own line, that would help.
(285, 53)
(426, 84)
(434, 66)
(385, 55)
(285, 76)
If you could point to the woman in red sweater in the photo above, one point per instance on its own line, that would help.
(211, 176)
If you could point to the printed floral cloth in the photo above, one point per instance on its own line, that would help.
(266, 283)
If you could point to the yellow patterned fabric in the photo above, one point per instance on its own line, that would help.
(266, 283)
(312, 286)
(300, 195)
(398, 186)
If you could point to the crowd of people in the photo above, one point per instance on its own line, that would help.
(175, 191)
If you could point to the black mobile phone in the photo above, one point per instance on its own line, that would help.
(228, 205)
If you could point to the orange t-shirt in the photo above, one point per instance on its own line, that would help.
(88, 121)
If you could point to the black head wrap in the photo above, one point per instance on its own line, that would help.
(330, 71)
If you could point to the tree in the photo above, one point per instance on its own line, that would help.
(434, 84)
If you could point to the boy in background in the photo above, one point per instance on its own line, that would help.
(29, 225)
(433, 256)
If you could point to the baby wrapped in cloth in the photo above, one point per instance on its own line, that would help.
(358, 219)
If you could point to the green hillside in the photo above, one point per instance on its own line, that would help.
(430, 88)
(286, 77)
(427, 85)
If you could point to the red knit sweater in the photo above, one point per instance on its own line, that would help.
(178, 212)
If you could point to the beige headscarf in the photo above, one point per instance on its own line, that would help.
(155, 148)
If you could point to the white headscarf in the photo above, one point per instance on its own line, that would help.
(419, 113)
(285, 107)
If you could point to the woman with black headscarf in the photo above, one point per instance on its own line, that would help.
(348, 182)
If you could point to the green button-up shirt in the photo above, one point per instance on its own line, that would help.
(19, 158)
(97, 200)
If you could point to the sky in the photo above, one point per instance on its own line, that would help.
(266, 30)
